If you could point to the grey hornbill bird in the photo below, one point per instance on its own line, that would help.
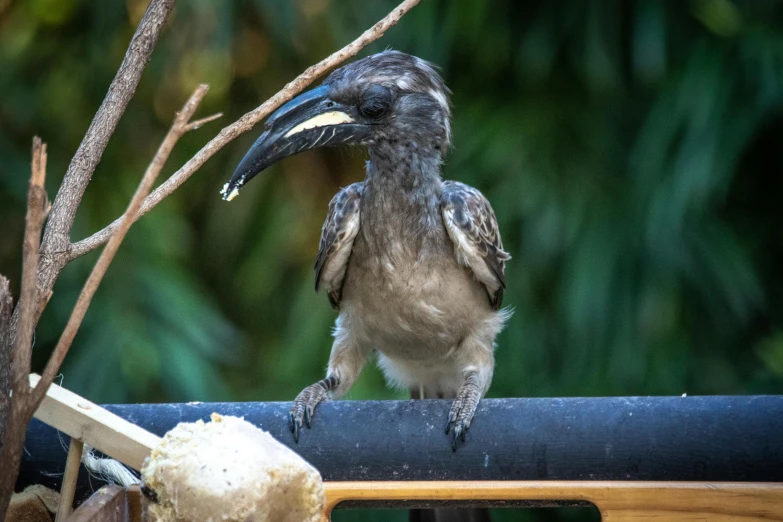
(413, 263)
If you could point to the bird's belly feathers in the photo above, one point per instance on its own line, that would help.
(413, 308)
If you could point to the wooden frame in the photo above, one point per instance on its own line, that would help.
(86, 422)
(617, 501)
(91, 424)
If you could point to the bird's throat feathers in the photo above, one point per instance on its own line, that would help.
(404, 166)
(402, 190)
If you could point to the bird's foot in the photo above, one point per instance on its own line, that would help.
(462, 410)
(306, 402)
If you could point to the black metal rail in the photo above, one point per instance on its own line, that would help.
(737, 438)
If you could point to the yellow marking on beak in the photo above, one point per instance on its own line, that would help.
(322, 120)
(234, 193)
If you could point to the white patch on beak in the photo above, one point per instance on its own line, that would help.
(234, 193)
(322, 120)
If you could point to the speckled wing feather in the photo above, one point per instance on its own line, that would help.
(472, 226)
(337, 235)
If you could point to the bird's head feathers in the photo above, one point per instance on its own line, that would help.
(389, 96)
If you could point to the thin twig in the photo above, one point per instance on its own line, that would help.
(198, 123)
(88, 155)
(16, 422)
(246, 122)
(178, 128)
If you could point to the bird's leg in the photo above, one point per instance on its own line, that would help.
(463, 408)
(478, 364)
(345, 364)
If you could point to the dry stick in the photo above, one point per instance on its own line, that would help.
(180, 126)
(88, 155)
(6, 309)
(246, 122)
(16, 422)
(36, 204)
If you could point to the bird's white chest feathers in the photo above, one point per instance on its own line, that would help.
(413, 306)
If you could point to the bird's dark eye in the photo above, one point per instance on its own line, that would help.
(373, 109)
(376, 103)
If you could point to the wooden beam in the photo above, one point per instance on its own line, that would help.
(617, 501)
(72, 464)
(135, 511)
(108, 504)
(95, 426)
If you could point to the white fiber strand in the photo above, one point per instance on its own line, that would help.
(108, 470)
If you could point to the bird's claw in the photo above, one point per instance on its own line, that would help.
(453, 414)
(461, 413)
(295, 424)
(460, 429)
(304, 408)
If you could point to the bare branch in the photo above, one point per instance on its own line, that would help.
(88, 155)
(6, 308)
(178, 128)
(28, 303)
(11, 454)
(246, 122)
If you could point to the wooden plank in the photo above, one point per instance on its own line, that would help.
(108, 504)
(133, 494)
(72, 464)
(95, 426)
(617, 501)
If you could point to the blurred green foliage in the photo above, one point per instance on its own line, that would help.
(632, 152)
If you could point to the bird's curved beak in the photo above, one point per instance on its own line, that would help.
(308, 121)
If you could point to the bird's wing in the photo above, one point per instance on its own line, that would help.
(337, 235)
(472, 226)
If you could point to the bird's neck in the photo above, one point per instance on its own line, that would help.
(404, 176)
(402, 189)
